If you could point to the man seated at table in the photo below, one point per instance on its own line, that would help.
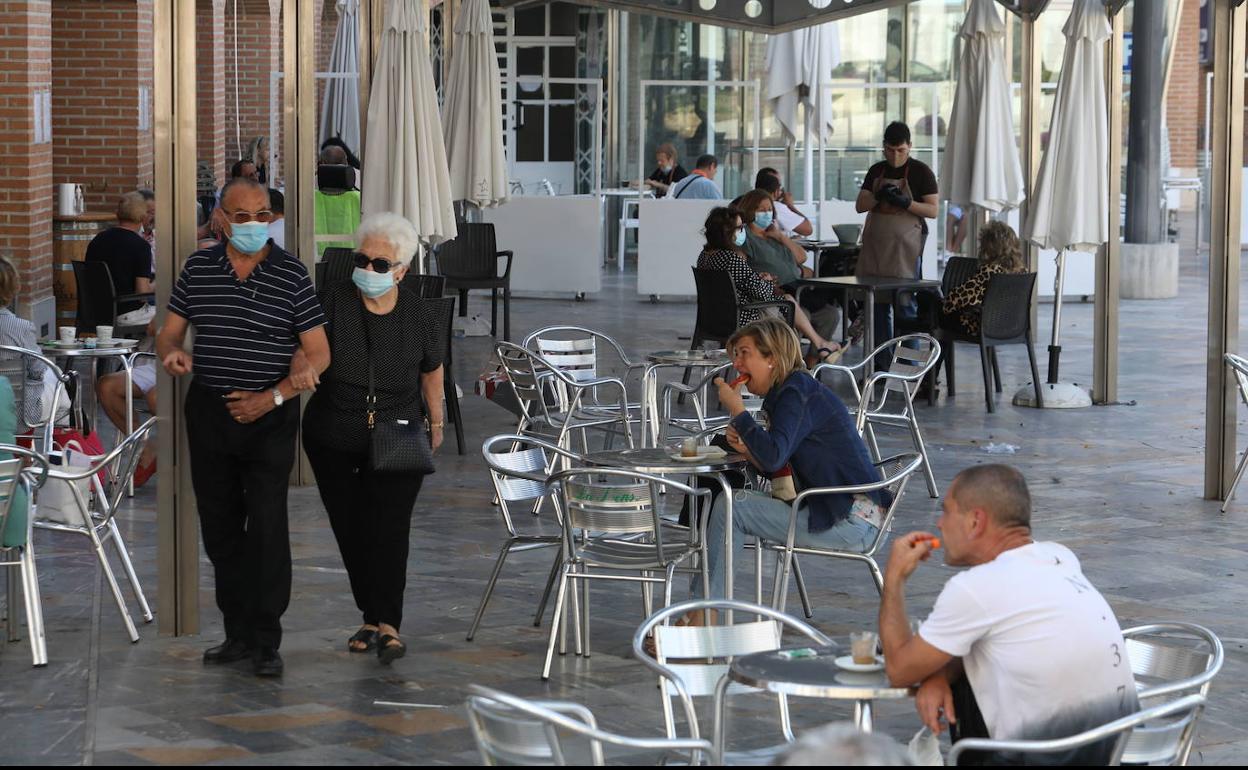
(110, 389)
(127, 254)
(790, 221)
(700, 185)
(1020, 645)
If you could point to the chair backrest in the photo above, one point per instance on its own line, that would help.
(717, 303)
(514, 731)
(10, 476)
(425, 286)
(1006, 312)
(576, 358)
(519, 467)
(96, 294)
(336, 265)
(1161, 731)
(615, 502)
(705, 652)
(957, 271)
(1173, 658)
(473, 253)
(1239, 365)
(527, 372)
(24, 371)
(914, 355)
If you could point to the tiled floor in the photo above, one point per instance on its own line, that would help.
(1121, 485)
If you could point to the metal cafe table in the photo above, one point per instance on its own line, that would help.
(816, 676)
(651, 429)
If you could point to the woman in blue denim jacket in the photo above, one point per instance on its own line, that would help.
(809, 428)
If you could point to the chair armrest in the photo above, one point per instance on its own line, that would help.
(130, 297)
(103, 461)
(508, 254)
(29, 456)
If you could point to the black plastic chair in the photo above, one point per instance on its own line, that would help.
(336, 265)
(444, 312)
(99, 302)
(426, 286)
(1005, 319)
(719, 307)
(470, 261)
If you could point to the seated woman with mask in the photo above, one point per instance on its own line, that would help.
(807, 427)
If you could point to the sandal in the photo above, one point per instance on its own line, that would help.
(387, 653)
(824, 356)
(365, 636)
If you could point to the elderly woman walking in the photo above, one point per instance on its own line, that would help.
(382, 338)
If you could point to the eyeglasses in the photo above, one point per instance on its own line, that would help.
(379, 265)
(243, 217)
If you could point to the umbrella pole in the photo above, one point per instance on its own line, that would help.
(1055, 350)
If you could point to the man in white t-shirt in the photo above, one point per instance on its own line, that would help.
(1018, 646)
(790, 221)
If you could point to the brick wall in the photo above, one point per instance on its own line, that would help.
(26, 180)
(101, 64)
(210, 85)
(253, 51)
(328, 25)
(1184, 105)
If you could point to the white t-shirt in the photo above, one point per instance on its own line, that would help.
(786, 218)
(1041, 647)
(277, 231)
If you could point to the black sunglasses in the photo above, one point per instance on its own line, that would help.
(379, 265)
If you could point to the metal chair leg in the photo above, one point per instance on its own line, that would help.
(10, 607)
(113, 585)
(34, 608)
(801, 588)
(489, 588)
(876, 575)
(557, 622)
(128, 566)
(922, 447)
(550, 584)
(1239, 474)
(585, 615)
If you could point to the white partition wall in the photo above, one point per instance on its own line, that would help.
(669, 241)
(557, 242)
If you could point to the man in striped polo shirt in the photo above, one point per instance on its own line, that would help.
(259, 341)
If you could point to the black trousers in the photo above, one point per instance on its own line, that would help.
(371, 515)
(240, 474)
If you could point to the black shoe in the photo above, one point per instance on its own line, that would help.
(229, 651)
(267, 662)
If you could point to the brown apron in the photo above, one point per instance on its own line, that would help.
(892, 238)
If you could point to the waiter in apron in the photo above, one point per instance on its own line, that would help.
(899, 194)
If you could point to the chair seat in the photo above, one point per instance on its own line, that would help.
(609, 553)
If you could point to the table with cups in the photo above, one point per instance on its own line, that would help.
(103, 345)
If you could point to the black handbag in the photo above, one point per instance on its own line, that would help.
(394, 446)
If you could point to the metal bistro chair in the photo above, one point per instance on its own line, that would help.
(1005, 319)
(535, 380)
(611, 525)
(575, 351)
(957, 271)
(914, 357)
(514, 731)
(1168, 660)
(1239, 367)
(99, 304)
(519, 467)
(20, 367)
(704, 654)
(470, 261)
(1163, 728)
(100, 525)
(17, 547)
(896, 472)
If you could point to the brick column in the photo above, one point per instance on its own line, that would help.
(1184, 109)
(210, 111)
(26, 180)
(249, 86)
(101, 72)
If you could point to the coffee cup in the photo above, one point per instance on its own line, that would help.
(862, 647)
(104, 334)
(68, 334)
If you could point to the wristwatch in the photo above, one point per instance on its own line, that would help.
(277, 397)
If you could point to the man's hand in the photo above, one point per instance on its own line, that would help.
(933, 699)
(729, 397)
(786, 198)
(247, 406)
(303, 376)
(908, 551)
(177, 363)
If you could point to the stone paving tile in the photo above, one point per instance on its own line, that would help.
(1120, 484)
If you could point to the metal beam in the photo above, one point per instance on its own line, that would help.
(1226, 180)
(175, 92)
(1108, 256)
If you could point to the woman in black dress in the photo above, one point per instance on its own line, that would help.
(370, 512)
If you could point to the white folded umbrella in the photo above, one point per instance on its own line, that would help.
(981, 163)
(340, 112)
(405, 169)
(472, 115)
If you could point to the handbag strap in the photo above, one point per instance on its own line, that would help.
(370, 400)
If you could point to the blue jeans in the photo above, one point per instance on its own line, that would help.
(760, 514)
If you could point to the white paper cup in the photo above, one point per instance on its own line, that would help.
(103, 334)
(68, 333)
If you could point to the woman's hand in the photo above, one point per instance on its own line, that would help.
(729, 397)
(303, 376)
(734, 440)
(435, 436)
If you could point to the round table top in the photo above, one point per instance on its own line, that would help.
(656, 460)
(690, 357)
(116, 347)
(815, 676)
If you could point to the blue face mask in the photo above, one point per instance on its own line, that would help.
(739, 238)
(372, 284)
(249, 237)
(763, 219)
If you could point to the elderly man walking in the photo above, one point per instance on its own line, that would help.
(259, 341)
(1018, 646)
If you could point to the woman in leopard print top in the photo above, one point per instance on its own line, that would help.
(999, 252)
